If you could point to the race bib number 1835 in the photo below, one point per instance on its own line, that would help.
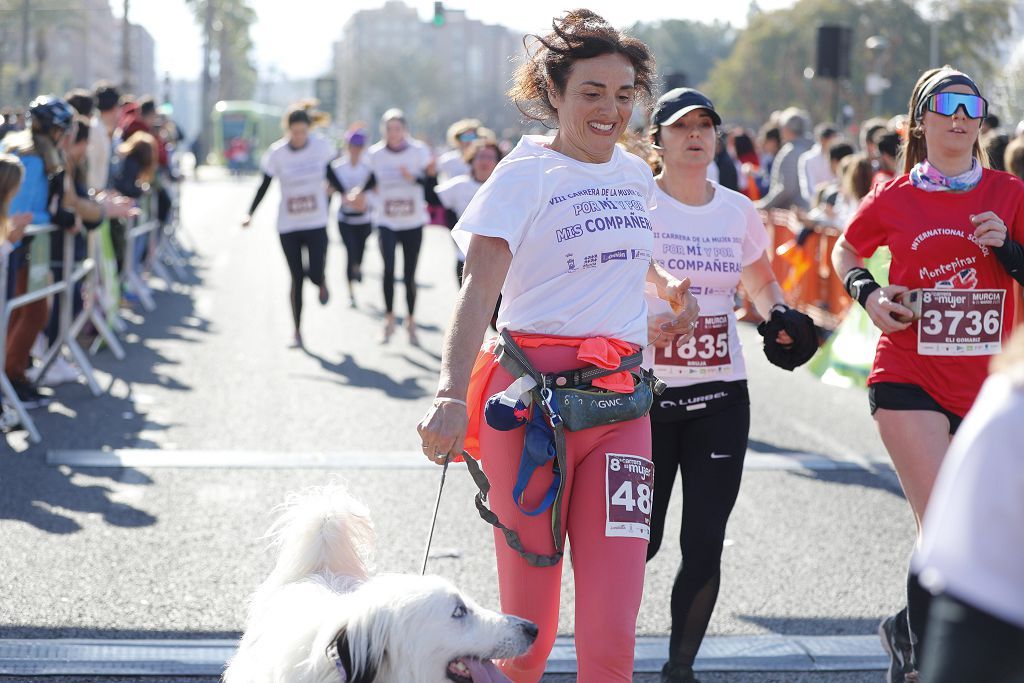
(629, 496)
(706, 354)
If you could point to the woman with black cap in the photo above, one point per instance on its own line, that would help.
(955, 230)
(699, 425)
(301, 162)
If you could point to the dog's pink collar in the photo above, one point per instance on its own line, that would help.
(335, 657)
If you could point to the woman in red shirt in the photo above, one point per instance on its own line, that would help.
(955, 230)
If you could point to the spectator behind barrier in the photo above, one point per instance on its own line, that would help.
(888, 144)
(784, 191)
(81, 101)
(101, 137)
(995, 144)
(38, 150)
(813, 164)
(1013, 158)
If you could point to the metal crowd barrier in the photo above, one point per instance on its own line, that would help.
(68, 327)
(161, 248)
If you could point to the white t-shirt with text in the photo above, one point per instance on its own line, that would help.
(399, 203)
(580, 236)
(302, 174)
(710, 244)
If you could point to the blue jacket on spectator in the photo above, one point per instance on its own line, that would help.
(34, 193)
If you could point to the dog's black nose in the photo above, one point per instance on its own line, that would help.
(530, 629)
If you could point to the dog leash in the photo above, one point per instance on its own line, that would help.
(437, 506)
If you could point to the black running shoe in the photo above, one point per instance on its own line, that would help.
(673, 672)
(894, 632)
(29, 397)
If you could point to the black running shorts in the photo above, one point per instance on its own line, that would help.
(901, 396)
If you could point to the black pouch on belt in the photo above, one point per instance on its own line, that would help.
(580, 404)
(589, 406)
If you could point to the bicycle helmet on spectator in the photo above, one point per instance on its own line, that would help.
(51, 112)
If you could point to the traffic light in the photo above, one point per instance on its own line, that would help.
(438, 14)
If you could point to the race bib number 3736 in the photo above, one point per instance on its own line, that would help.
(629, 496)
(960, 322)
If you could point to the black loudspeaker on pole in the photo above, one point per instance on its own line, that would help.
(834, 51)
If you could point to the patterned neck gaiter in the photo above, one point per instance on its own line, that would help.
(926, 177)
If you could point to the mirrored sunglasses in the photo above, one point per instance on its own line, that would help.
(468, 136)
(946, 103)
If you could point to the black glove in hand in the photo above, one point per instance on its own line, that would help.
(800, 329)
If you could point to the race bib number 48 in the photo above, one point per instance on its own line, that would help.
(629, 496)
(706, 354)
(960, 322)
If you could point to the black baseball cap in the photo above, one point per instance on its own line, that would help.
(679, 102)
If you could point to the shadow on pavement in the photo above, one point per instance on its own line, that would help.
(882, 480)
(79, 420)
(358, 376)
(39, 495)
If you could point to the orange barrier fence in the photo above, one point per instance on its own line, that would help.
(805, 272)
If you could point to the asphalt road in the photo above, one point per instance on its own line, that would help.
(170, 552)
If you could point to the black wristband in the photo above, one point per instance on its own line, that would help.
(853, 275)
(866, 288)
(859, 284)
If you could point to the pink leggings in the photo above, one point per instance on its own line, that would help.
(608, 571)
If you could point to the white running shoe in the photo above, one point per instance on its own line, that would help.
(60, 372)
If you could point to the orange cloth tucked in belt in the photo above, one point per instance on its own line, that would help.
(599, 351)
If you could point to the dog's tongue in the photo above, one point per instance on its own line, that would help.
(484, 671)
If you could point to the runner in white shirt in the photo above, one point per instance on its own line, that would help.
(460, 136)
(401, 166)
(972, 544)
(699, 425)
(562, 228)
(455, 193)
(301, 163)
(354, 222)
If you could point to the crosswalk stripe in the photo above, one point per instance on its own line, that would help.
(361, 460)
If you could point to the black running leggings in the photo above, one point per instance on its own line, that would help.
(410, 241)
(354, 238)
(314, 241)
(709, 452)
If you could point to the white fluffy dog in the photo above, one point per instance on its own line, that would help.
(320, 617)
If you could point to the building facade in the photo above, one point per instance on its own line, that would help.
(390, 57)
(71, 48)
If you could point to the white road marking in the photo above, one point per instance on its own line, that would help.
(356, 460)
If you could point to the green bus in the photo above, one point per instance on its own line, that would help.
(242, 131)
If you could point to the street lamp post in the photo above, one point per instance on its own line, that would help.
(875, 83)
